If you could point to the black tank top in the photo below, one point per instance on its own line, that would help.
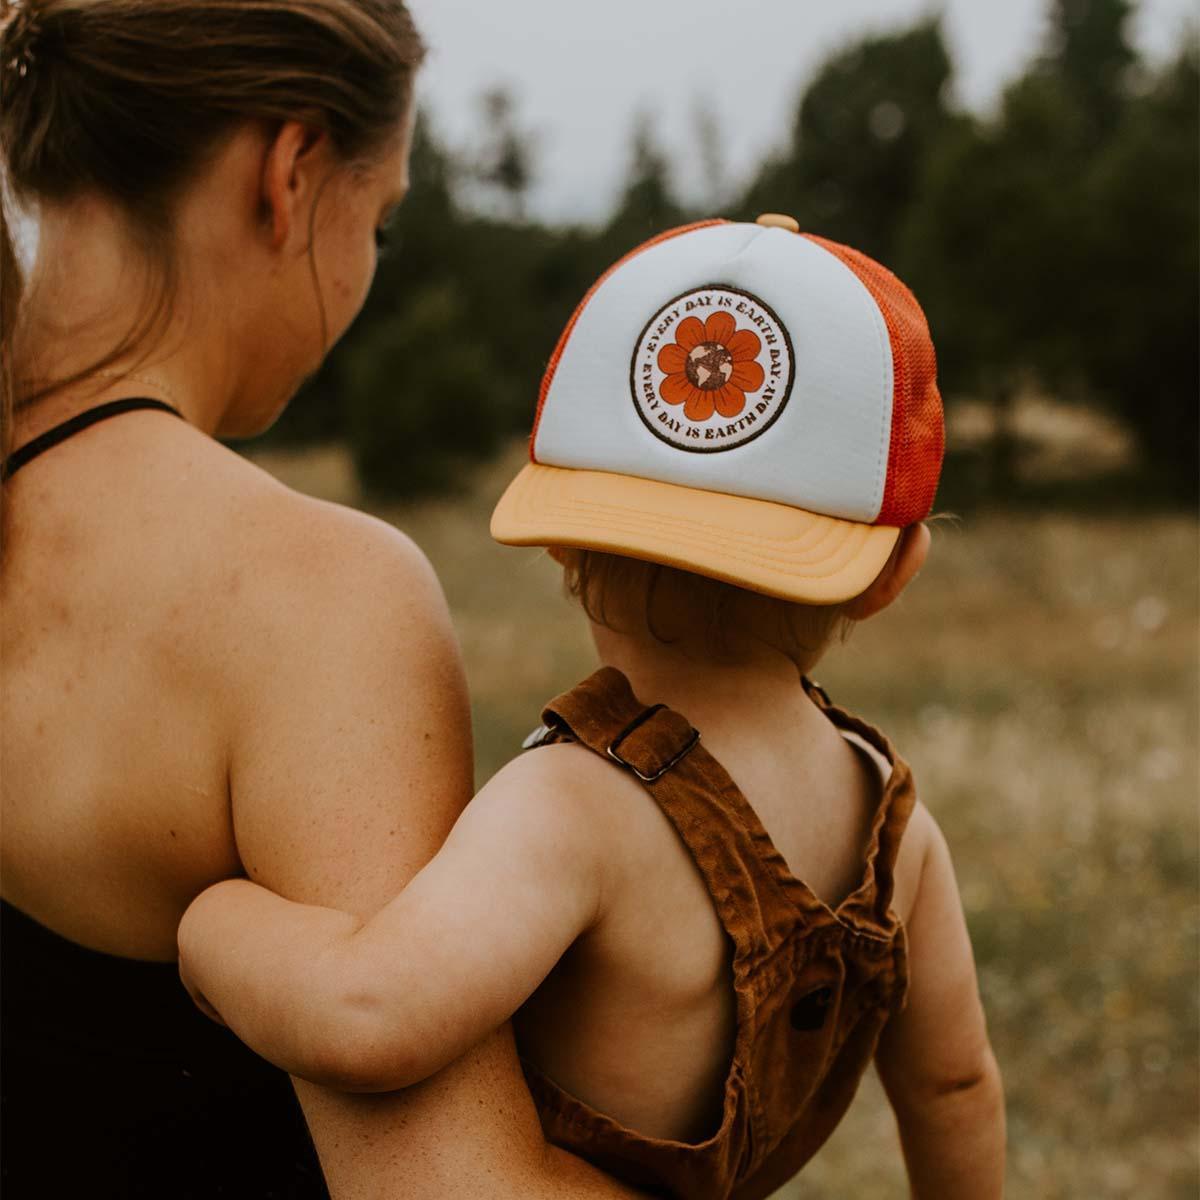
(112, 1084)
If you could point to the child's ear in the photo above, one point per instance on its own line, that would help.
(907, 558)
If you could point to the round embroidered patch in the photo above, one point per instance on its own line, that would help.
(712, 370)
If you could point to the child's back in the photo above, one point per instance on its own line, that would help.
(638, 1018)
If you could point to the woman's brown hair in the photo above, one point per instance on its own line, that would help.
(125, 99)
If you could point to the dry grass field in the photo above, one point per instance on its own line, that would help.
(1041, 677)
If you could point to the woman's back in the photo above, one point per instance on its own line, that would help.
(116, 811)
(122, 565)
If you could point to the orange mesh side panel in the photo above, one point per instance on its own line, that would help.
(552, 366)
(918, 434)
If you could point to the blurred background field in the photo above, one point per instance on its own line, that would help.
(1042, 674)
(1041, 678)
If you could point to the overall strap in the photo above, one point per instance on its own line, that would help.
(59, 433)
(746, 876)
(869, 904)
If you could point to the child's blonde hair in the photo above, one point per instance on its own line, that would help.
(673, 605)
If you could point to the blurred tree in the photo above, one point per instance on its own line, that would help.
(710, 157)
(863, 130)
(648, 204)
(511, 307)
(418, 397)
(506, 161)
(1140, 342)
(1006, 240)
(993, 250)
(1089, 51)
(1054, 240)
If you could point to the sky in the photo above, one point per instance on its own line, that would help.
(583, 71)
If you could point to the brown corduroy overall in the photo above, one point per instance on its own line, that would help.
(814, 986)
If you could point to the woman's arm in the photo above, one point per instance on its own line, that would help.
(934, 1057)
(385, 1004)
(350, 760)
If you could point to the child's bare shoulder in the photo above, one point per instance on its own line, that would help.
(567, 775)
(922, 838)
(568, 791)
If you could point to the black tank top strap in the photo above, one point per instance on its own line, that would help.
(90, 416)
(742, 870)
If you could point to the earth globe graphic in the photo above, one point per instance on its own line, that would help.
(709, 366)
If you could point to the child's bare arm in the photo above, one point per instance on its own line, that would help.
(382, 1005)
(934, 1058)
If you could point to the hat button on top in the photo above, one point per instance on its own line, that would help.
(779, 221)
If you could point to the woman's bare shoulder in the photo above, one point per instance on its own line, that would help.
(277, 546)
(344, 703)
(291, 592)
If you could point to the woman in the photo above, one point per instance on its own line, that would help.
(197, 661)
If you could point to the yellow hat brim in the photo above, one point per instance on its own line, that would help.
(757, 544)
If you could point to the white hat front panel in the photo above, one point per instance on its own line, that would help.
(732, 358)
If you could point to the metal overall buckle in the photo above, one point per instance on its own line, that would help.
(637, 723)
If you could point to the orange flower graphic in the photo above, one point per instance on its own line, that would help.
(710, 366)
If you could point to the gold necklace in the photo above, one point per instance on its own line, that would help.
(154, 384)
(27, 385)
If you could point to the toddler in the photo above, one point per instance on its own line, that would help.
(737, 440)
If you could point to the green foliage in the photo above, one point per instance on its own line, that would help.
(1089, 51)
(1141, 308)
(862, 132)
(1052, 242)
(1057, 242)
(991, 246)
(419, 397)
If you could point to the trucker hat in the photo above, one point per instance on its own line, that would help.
(743, 401)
